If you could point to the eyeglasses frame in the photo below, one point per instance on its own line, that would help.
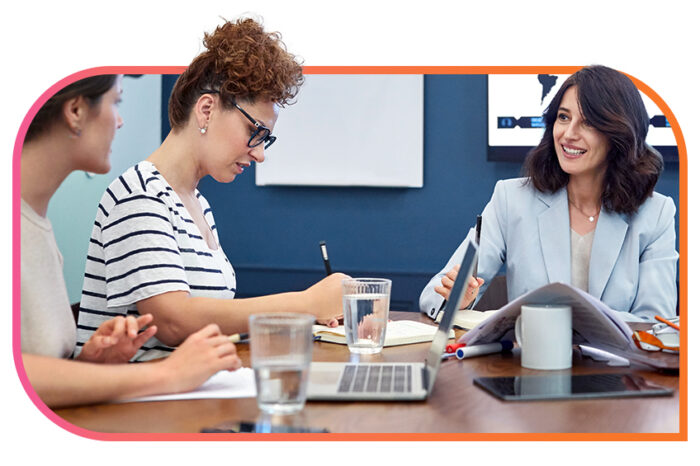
(259, 127)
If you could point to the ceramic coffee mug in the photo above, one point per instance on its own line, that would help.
(544, 335)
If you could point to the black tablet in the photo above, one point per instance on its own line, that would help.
(567, 386)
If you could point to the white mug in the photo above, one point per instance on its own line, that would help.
(544, 335)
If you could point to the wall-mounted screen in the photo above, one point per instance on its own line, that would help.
(516, 103)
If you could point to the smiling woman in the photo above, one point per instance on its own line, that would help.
(586, 213)
(601, 107)
(154, 247)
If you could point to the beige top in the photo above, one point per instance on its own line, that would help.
(580, 258)
(48, 327)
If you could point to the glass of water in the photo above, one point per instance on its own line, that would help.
(280, 353)
(366, 312)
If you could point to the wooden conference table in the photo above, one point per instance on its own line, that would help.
(456, 404)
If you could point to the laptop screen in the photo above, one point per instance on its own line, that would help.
(440, 341)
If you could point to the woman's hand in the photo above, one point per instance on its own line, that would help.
(325, 299)
(201, 355)
(448, 281)
(117, 340)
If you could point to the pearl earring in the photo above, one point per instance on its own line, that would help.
(203, 130)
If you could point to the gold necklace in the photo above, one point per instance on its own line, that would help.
(591, 218)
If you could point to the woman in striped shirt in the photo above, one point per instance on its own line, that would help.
(154, 246)
(73, 130)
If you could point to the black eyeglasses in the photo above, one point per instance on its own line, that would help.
(262, 133)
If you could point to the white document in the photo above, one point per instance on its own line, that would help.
(223, 384)
(603, 356)
(593, 322)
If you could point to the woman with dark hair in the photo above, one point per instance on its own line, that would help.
(586, 213)
(73, 130)
(155, 248)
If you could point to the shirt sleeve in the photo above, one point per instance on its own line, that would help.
(491, 253)
(142, 257)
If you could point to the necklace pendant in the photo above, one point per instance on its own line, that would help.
(590, 219)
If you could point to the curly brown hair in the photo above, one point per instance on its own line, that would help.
(242, 62)
(611, 103)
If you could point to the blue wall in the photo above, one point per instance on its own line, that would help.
(271, 234)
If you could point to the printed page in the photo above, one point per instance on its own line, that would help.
(224, 384)
(593, 322)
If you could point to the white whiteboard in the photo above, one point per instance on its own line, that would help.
(349, 130)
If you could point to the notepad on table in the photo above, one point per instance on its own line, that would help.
(398, 332)
(224, 384)
(469, 318)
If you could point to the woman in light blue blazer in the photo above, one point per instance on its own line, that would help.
(586, 213)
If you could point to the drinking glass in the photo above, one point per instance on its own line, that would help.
(280, 353)
(366, 312)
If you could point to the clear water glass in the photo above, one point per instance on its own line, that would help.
(366, 312)
(280, 352)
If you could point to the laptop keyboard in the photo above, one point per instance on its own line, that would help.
(373, 378)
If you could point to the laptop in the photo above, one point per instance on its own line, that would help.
(391, 381)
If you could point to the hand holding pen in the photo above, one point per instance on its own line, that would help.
(448, 281)
(474, 283)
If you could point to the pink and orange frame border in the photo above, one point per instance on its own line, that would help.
(681, 435)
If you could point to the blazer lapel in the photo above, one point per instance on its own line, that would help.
(607, 243)
(555, 237)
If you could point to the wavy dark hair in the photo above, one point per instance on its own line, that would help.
(611, 103)
(92, 89)
(242, 62)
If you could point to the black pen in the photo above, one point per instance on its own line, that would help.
(324, 255)
(476, 262)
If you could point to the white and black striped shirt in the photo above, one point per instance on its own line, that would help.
(145, 243)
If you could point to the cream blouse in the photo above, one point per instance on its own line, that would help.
(580, 258)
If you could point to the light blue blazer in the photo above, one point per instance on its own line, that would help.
(633, 257)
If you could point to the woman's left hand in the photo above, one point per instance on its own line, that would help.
(117, 340)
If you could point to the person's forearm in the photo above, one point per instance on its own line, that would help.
(60, 382)
(177, 317)
(232, 315)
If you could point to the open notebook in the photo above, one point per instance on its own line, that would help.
(469, 318)
(398, 332)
